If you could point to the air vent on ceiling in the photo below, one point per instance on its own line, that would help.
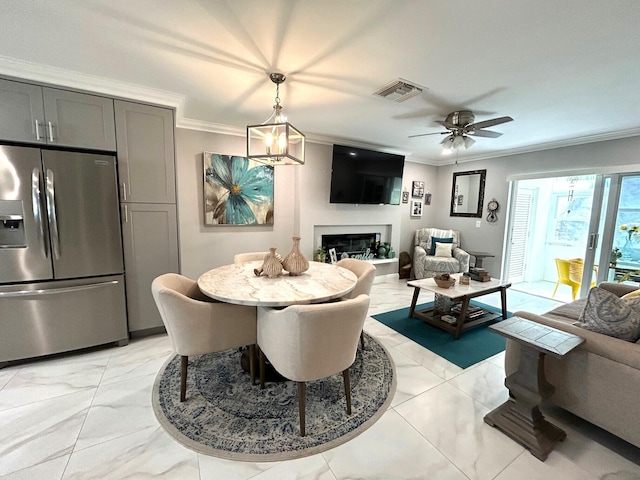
(399, 90)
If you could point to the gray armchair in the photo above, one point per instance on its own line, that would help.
(426, 264)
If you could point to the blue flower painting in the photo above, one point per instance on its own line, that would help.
(237, 191)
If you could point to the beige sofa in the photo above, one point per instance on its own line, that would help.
(600, 381)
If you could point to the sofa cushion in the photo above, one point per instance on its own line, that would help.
(443, 249)
(634, 294)
(608, 314)
(435, 240)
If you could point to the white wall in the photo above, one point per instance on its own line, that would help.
(302, 199)
(301, 203)
(609, 156)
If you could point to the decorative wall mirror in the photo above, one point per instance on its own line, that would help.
(467, 193)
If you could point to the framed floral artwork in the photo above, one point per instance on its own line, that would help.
(237, 191)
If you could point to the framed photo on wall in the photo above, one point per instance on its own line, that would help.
(418, 189)
(237, 191)
(416, 208)
(427, 199)
(405, 197)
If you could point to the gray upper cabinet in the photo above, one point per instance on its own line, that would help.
(21, 112)
(145, 153)
(79, 120)
(35, 114)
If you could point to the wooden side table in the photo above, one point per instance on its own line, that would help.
(520, 417)
(479, 256)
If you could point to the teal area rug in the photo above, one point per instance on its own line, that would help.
(473, 346)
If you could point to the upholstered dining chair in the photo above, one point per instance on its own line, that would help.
(309, 342)
(197, 324)
(366, 273)
(249, 257)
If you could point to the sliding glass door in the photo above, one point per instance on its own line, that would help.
(566, 234)
(617, 231)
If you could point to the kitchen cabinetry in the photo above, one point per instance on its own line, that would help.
(146, 161)
(50, 116)
(150, 234)
(145, 153)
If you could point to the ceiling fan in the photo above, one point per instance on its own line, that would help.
(461, 124)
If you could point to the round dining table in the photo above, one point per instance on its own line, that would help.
(238, 284)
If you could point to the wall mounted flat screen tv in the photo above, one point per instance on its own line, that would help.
(365, 176)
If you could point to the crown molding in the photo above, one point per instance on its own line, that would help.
(59, 77)
(570, 142)
(54, 76)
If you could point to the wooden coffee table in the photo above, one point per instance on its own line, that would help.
(462, 293)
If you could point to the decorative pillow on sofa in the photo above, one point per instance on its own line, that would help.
(634, 294)
(435, 240)
(443, 249)
(608, 314)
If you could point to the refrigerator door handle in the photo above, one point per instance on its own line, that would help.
(56, 291)
(37, 210)
(51, 212)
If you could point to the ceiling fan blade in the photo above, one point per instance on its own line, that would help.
(484, 133)
(489, 123)
(446, 124)
(425, 134)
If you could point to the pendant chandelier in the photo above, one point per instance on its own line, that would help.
(276, 141)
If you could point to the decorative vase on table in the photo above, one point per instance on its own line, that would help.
(295, 263)
(382, 251)
(272, 267)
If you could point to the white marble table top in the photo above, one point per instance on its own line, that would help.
(236, 283)
(457, 290)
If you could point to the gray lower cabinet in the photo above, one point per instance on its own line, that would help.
(145, 153)
(34, 114)
(150, 237)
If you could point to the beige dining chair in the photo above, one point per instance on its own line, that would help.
(197, 324)
(313, 341)
(249, 257)
(366, 273)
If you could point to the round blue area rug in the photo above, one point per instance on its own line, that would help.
(225, 416)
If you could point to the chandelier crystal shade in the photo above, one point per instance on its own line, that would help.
(276, 141)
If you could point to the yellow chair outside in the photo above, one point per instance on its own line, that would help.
(570, 273)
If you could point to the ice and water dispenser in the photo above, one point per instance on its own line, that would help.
(12, 228)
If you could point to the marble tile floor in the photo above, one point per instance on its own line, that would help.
(89, 416)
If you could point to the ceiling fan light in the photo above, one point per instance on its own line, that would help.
(458, 141)
(468, 142)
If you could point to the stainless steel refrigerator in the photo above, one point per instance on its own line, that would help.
(61, 263)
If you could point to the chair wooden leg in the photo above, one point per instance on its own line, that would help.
(555, 289)
(261, 357)
(362, 339)
(302, 388)
(347, 389)
(252, 362)
(184, 363)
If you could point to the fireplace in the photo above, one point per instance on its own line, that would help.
(351, 244)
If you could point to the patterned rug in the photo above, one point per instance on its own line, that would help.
(225, 416)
